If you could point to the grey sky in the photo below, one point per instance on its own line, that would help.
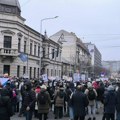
(96, 21)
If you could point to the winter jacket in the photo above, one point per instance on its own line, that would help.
(69, 94)
(91, 102)
(59, 102)
(100, 92)
(118, 100)
(29, 99)
(44, 108)
(109, 102)
(5, 107)
(79, 102)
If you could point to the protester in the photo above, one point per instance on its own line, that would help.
(59, 102)
(44, 102)
(110, 103)
(79, 102)
(118, 101)
(22, 91)
(91, 94)
(5, 105)
(28, 101)
(37, 91)
(69, 94)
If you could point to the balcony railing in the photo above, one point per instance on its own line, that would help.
(8, 52)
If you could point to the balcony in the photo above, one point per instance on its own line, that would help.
(8, 52)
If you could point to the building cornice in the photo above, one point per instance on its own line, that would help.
(8, 32)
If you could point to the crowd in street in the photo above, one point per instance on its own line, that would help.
(36, 98)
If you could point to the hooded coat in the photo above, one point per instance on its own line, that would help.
(29, 97)
(5, 105)
(79, 102)
(44, 108)
(118, 100)
(110, 101)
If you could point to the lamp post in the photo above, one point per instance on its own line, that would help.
(41, 34)
(44, 20)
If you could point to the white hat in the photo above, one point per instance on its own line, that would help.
(43, 87)
(89, 84)
(97, 80)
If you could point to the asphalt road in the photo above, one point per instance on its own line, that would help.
(51, 117)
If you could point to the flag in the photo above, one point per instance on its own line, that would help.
(3, 81)
(23, 57)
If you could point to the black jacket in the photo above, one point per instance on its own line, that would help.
(110, 102)
(29, 99)
(79, 102)
(118, 100)
(5, 106)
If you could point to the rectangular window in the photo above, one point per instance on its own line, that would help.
(24, 70)
(30, 72)
(38, 51)
(19, 44)
(59, 73)
(25, 44)
(7, 41)
(18, 71)
(6, 69)
(43, 52)
(35, 50)
(48, 72)
(34, 72)
(48, 52)
(51, 72)
(38, 73)
(57, 53)
(53, 53)
(30, 48)
(55, 72)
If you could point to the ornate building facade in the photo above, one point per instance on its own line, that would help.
(24, 51)
(19, 44)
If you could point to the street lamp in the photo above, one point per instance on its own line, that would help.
(41, 34)
(44, 20)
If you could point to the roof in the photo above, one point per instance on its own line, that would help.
(60, 32)
(11, 3)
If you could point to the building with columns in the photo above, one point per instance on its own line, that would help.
(19, 44)
(24, 51)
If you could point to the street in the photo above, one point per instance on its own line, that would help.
(51, 117)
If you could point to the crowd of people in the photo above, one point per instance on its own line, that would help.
(36, 98)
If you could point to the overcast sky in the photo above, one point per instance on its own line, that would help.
(95, 21)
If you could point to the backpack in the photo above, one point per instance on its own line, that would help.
(59, 99)
(42, 98)
(91, 94)
(61, 94)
